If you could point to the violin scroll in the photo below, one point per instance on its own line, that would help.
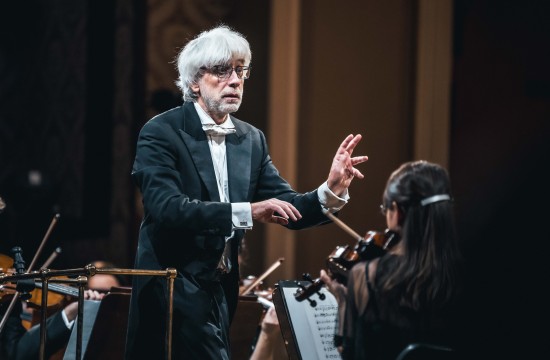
(305, 292)
(24, 287)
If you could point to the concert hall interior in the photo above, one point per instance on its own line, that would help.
(462, 83)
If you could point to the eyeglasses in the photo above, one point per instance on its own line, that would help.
(223, 72)
(383, 209)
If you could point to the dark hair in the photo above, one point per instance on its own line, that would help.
(428, 267)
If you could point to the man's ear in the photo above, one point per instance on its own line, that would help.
(195, 87)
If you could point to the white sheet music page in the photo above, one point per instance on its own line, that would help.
(88, 320)
(314, 327)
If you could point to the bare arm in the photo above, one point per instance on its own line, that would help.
(269, 337)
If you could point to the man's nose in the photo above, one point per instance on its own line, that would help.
(234, 80)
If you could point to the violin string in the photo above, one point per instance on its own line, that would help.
(63, 289)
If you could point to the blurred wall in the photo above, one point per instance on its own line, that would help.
(356, 73)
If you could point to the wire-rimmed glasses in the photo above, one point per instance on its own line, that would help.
(223, 72)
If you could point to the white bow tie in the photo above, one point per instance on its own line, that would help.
(214, 129)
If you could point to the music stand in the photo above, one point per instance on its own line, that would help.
(105, 325)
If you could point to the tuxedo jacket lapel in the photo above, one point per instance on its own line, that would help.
(238, 147)
(196, 142)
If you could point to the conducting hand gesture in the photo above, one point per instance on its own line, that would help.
(274, 211)
(342, 170)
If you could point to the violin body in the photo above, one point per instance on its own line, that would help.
(57, 293)
(374, 245)
(343, 258)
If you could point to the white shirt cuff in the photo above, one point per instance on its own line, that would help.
(241, 215)
(68, 324)
(329, 200)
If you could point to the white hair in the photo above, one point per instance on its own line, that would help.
(219, 45)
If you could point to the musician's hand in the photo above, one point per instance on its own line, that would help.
(71, 310)
(269, 339)
(93, 295)
(270, 322)
(334, 287)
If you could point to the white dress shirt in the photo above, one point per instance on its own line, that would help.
(242, 212)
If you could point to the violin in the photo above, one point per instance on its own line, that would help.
(56, 292)
(375, 244)
(343, 258)
(19, 266)
(6, 263)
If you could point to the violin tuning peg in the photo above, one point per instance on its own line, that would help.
(313, 303)
(18, 262)
(300, 285)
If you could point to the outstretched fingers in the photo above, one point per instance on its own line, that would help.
(358, 174)
(342, 170)
(358, 160)
(345, 144)
(350, 142)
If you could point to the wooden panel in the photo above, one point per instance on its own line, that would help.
(245, 326)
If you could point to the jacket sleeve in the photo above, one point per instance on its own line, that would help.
(57, 336)
(12, 332)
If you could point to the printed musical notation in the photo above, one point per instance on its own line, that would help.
(322, 320)
(314, 327)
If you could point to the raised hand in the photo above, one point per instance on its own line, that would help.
(342, 170)
(274, 211)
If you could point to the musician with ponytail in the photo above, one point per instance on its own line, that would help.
(410, 293)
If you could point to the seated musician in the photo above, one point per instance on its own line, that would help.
(104, 282)
(410, 293)
(18, 343)
(268, 344)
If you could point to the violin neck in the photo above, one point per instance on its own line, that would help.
(60, 289)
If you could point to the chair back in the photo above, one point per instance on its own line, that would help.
(426, 351)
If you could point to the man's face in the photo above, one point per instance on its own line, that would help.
(219, 96)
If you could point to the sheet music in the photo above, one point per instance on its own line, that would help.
(89, 316)
(314, 327)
